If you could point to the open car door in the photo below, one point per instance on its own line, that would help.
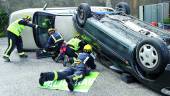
(45, 21)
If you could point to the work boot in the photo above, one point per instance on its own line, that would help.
(47, 76)
(41, 81)
(23, 56)
(6, 59)
(70, 84)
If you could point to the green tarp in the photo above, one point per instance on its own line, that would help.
(82, 86)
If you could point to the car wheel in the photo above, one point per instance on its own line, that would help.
(123, 7)
(152, 56)
(83, 12)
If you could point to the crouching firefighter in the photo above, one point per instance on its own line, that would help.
(54, 42)
(14, 37)
(82, 66)
(76, 44)
(66, 55)
(68, 50)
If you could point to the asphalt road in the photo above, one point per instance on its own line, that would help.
(20, 78)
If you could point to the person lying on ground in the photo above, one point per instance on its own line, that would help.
(74, 74)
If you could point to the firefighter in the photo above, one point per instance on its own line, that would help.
(66, 55)
(14, 37)
(52, 47)
(81, 67)
(68, 50)
(76, 43)
(54, 41)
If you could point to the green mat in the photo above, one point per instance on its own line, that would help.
(82, 86)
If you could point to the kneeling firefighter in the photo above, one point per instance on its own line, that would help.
(76, 43)
(54, 42)
(66, 55)
(82, 66)
(68, 50)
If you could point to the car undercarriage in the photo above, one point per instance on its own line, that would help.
(128, 43)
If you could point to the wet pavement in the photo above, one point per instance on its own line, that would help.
(20, 78)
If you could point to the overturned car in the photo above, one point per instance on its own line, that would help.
(46, 18)
(130, 44)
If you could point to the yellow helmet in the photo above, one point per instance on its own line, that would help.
(28, 17)
(51, 29)
(87, 48)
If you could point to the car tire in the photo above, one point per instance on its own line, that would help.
(83, 12)
(123, 7)
(152, 56)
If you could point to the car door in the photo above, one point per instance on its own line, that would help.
(109, 40)
(45, 21)
(119, 39)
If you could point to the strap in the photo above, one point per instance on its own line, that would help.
(85, 60)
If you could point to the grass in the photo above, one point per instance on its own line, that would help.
(2, 34)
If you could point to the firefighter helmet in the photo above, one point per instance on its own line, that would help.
(87, 48)
(28, 17)
(51, 30)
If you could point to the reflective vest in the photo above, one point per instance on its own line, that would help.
(74, 42)
(57, 37)
(16, 28)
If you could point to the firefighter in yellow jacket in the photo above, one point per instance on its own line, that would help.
(14, 37)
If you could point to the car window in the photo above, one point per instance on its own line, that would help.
(106, 38)
(114, 27)
(45, 21)
(118, 27)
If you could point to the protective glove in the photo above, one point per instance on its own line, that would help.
(36, 26)
(44, 50)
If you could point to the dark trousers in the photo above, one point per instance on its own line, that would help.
(14, 41)
(75, 75)
(55, 49)
(69, 52)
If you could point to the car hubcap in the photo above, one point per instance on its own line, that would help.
(148, 56)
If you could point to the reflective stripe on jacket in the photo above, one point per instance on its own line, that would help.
(56, 37)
